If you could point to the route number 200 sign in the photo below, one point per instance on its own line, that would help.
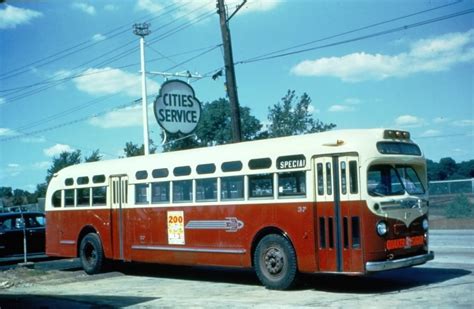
(175, 227)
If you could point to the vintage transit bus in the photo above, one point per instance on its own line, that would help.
(348, 201)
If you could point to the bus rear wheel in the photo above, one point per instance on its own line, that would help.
(91, 254)
(275, 262)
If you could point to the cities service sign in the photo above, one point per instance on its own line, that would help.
(176, 107)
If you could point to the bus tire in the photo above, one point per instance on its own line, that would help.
(91, 254)
(275, 262)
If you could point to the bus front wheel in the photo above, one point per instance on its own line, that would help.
(275, 262)
(91, 254)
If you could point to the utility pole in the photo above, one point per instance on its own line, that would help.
(143, 30)
(231, 84)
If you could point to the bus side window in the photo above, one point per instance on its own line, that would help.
(320, 179)
(343, 178)
(232, 188)
(206, 189)
(353, 182)
(83, 197)
(160, 192)
(141, 193)
(291, 184)
(99, 196)
(261, 185)
(69, 198)
(328, 178)
(57, 200)
(182, 191)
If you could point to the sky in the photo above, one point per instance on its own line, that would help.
(70, 70)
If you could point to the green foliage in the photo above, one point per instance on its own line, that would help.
(16, 197)
(292, 116)
(448, 169)
(64, 159)
(95, 156)
(459, 208)
(215, 127)
(133, 150)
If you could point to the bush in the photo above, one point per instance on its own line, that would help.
(459, 208)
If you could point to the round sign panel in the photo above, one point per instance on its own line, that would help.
(176, 107)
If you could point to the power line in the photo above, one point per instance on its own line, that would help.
(357, 29)
(77, 48)
(115, 58)
(360, 38)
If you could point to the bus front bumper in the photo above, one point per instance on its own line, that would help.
(401, 263)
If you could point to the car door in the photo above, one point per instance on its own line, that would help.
(35, 233)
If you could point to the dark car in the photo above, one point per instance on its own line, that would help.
(12, 228)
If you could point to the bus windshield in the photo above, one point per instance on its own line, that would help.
(387, 180)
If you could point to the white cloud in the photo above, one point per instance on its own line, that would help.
(408, 121)
(84, 7)
(430, 133)
(11, 16)
(464, 123)
(98, 37)
(110, 81)
(439, 120)
(41, 165)
(341, 108)
(349, 105)
(7, 132)
(194, 9)
(424, 56)
(2, 100)
(57, 149)
(313, 110)
(126, 117)
(13, 169)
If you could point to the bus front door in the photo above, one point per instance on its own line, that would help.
(119, 198)
(338, 213)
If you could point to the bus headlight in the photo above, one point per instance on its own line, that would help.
(425, 224)
(382, 228)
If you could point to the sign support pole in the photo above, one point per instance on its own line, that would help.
(142, 30)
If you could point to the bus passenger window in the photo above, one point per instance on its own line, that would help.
(84, 197)
(320, 179)
(99, 196)
(56, 200)
(328, 179)
(160, 192)
(69, 198)
(83, 180)
(206, 168)
(98, 179)
(182, 171)
(69, 182)
(206, 189)
(182, 191)
(160, 173)
(231, 166)
(353, 182)
(141, 175)
(232, 188)
(293, 183)
(343, 178)
(141, 192)
(261, 185)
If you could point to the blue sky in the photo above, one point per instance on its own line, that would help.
(62, 62)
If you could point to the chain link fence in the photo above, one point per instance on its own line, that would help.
(452, 204)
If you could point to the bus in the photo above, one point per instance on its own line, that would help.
(345, 201)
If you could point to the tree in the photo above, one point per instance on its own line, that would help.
(292, 116)
(95, 156)
(64, 159)
(215, 127)
(133, 150)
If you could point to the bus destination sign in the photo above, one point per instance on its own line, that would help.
(289, 162)
(176, 107)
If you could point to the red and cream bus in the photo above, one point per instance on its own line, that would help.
(348, 201)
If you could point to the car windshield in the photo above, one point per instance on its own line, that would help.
(384, 180)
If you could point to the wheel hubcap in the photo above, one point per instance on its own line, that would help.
(274, 261)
